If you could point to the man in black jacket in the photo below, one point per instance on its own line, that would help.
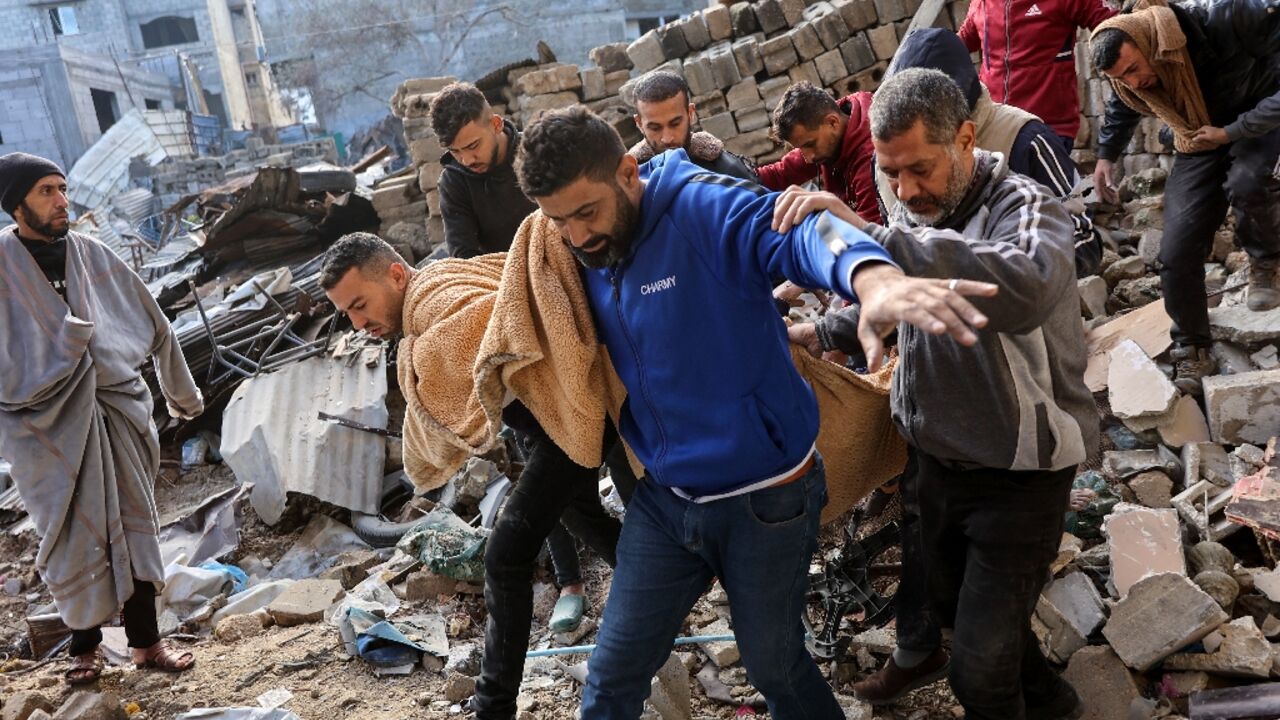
(481, 203)
(1214, 82)
(666, 117)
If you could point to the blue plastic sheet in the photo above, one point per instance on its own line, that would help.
(239, 579)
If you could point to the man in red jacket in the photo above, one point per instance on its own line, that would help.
(1028, 54)
(832, 139)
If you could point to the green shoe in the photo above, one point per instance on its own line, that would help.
(567, 615)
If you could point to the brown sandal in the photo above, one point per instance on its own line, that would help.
(85, 669)
(162, 656)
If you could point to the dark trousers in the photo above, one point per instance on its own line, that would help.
(561, 546)
(140, 625)
(917, 628)
(989, 537)
(551, 490)
(1196, 196)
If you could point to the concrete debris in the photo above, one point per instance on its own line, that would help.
(1241, 325)
(305, 601)
(1148, 327)
(458, 687)
(1244, 653)
(1070, 609)
(85, 705)
(20, 705)
(723, 654)
(1093, 297)
(1104, 684)
(1203, 507)
(1243, 408)
(1269, 584)
(1220, 585)
(669, 691)
(1185, 424)
(426, 586)
(1207, 461)
(1268, 358)
(1153, 488)
(1143, 542)
(1209, 556)
(1161, 615)
(1136, 386)
(234, 628)
(1122, 464)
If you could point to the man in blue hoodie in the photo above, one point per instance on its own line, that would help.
(677, 268)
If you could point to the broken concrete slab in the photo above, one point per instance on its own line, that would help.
(1070, 609)
(305, 601)
(1185, 424)
(20, 705)
(1202, 506)
(1136, 386)
(234, 628)
(426, 586)
(1093, 296)
(1161, 615)
(1243, 408)
(1148, 326)
(1238, 323)
(723, 654)
(1142, 542)
(1105, 686)
(85, 705)
(669, 690)
(1268, 358)
(1244, 653)
(1206, 461)
(1122, 464)
(1268, 584)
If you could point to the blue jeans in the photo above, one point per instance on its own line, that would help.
(759, 546)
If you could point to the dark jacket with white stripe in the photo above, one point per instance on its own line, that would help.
(1016, 400)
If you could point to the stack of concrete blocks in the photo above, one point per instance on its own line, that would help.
(176, 178)
(408, 203)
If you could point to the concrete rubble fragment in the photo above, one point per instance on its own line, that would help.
(86, 705)
(669, 691)
(723, 654)
(305, 601)
(1070, 609)
(1243, 408)
(1137, 388)
(1161, 615)
(1244, 652)
(1104, 684)
(20, 705)
(1143, 542)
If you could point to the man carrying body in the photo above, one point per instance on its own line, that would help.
(830, 141)
(365, 278)
(1207, 69)
(75, 416)
(734, 486)
(991, 468)
(666, 116)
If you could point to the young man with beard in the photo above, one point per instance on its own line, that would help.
(480, 201)
(666, 116)
(75, 416)
(992, 460)
(1208, 69)
(734, 484)
(365, 278)
(830, 141)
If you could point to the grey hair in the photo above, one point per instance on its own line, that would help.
(919, 94)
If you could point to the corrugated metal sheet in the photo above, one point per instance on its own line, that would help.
(134, 204)
(272, 438)
(103, 171)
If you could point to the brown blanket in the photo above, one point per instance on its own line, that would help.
(471, 340)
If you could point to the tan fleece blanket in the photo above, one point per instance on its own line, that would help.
(470, 339)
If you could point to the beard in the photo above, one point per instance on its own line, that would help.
(616, 245)
(52, 227)
(658, 149)
(945, 204)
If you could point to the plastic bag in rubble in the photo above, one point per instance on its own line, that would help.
(447, 546)
(1086, 524)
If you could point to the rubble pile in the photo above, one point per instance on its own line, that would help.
(175, 178)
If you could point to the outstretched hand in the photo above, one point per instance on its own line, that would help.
(795, 204)
(936, 306)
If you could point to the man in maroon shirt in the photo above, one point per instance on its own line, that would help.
(831, 139)
(1028, 54)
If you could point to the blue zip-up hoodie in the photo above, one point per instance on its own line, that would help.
(714, 401)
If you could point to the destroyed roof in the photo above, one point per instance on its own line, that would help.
(103, 171)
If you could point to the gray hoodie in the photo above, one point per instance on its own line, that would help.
(1016, 400)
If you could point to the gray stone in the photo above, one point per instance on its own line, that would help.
(805, 38)
(696, 33)
(753, 119)
(673, 42)
(891, 10)
(1243, 653)
(719, 22)
(743, 17)
(744, 96)
(779, 55)
(426, 586)
(831, 30)
(613, 82)
(830, 67)
(746, 53)
(1149, 245)
(857, 14)
(697, 72)
(1231, 358)
(669, 691)
(646, 52)
(1243, 408)
(561, 78)
(1093, 296)
(805, 72)
(1136, 386)
(1105, 686)
(769, 16)
(720, 125)
(1162, 614)
(710, 104)
(1268, 358)
(1070, 609)
(429, 176)
(772, 91)
(857, 53)
(1153, 488)
(464, 659)
(884, 41)
(1130, 268)
(1143, 542)
(792, 11)
(611, 57)
(751, 144)
(458, 687)
(724, 65)
(1238, 323)
(234, 628)
(86, 705)
(723, 654)
(592, 80)
(20, 705)
(305, 601)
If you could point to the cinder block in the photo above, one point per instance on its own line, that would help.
(743, 17)
(710, 104)
(884, 41)
(719, 22)
(673, 42)
(611, 57)
(697, 72)
(533, 104)
(805, 38)
(696, 34)
(592, 83)
(805, 72)
(750, 144)
(857, 53)
(857, 14)
(779, 55)
(772, 91)
(429, 176)
(868, 80)
(891, 10)
(646, 52)
(832, 30)
(721, 125)
(830, 67)
(744, 96)
(724, 66)
(613, 81)
(769, 16)
(753, 119)
(746, 53)
(792, 11)
(560, 78)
